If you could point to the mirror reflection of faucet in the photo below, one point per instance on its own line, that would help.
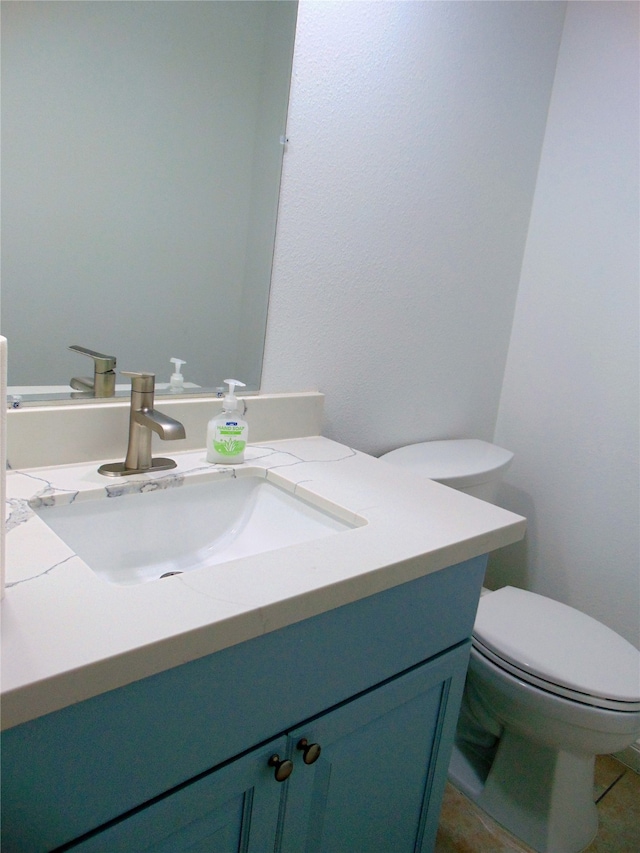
(143, 421)
(103, 383)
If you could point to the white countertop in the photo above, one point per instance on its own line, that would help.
(68, 635)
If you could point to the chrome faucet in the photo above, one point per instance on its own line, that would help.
(143, 420)
(103, 383)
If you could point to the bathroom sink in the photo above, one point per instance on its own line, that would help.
(139, 537)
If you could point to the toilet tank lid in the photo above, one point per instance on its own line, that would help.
(459, 463)
(559, 644)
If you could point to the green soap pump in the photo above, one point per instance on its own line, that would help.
(227, 433)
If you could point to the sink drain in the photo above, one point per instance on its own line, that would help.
(170, 574)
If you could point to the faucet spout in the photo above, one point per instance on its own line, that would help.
(167, 428)
(144, 420)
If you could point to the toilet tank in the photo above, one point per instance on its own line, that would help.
(467, 464)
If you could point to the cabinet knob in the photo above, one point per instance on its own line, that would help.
(283, 769)
(310, 751)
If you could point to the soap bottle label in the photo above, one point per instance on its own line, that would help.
(228, 439)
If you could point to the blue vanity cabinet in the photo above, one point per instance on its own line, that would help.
(377, 783)
(364, 779)
(234, 808)
(181, 759)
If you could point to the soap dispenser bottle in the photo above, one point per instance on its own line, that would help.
(227, 433)
(176, 383)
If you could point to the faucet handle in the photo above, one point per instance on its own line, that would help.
(141, 381)
(103, 363)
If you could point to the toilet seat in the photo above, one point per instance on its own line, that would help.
(556, 689)
(558, 649)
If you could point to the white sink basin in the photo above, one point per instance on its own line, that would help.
(134, 538)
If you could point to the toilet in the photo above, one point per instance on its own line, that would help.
(548, 687)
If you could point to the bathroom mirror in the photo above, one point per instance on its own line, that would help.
(142, 145)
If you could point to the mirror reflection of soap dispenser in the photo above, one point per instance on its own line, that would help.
(227, 433)
(176, 383)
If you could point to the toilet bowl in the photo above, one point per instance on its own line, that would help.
(548, 688)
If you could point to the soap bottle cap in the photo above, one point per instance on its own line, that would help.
(230, 400)
(177, 379)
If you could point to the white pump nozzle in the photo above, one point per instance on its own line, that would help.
(230, 400)
(177, 379)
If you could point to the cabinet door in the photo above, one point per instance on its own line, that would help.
(234, 808)
(377, 784)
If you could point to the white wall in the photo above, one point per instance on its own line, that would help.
(415, 132)
(408, 187)
(570, 404)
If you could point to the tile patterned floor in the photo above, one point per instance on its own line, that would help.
(464, 828)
